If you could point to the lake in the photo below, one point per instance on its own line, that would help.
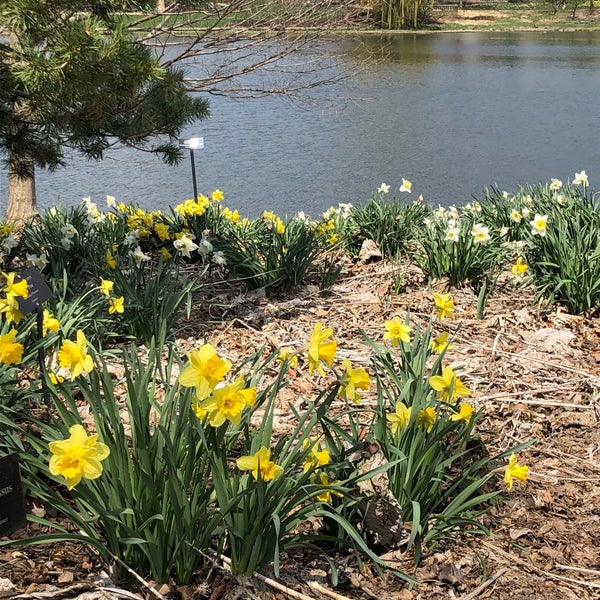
(451, 112)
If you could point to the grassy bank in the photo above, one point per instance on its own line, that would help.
(513, 17)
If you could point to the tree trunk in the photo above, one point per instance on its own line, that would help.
(160, 6)
(22, 202)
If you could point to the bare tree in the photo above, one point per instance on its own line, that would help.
(235, 38)
(52, 98)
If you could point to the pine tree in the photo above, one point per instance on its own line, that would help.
(72, 76)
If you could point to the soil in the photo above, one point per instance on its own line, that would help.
(534, 370)
(465, 19)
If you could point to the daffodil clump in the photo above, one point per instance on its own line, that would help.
(427, 416)
(458, 244)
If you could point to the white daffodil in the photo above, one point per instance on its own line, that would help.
(452, 234)
(205, 247)
(480, 233)
(515, 215)
(555, 184)
(37, 261)
(68, 230)
(138, 256)
(538, 225)
(10, 242)
(219, 258)
(186, 245)
(131, 238)
(581, 179)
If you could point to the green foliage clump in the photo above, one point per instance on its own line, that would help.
(275, 255)
(459, 246)
(391, 223)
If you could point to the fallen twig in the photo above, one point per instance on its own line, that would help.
(151, 589)
(472, 595)
(578, 569)
(531, 567)
(226, 564)
(313, 585)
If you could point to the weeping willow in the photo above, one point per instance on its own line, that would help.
(400, 14)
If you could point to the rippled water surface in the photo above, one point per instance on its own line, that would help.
(451, 112)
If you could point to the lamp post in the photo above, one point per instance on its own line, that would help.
(193, 143)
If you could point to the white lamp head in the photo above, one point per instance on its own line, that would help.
(193, 143)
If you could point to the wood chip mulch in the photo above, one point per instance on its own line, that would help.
(533, 368)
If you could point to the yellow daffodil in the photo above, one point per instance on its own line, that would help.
(217, 196)
(165, 254)
(162, 231)
(464, 414)
(444, 305)
(205, 369)
(397, 331)
(227, 402)
(400, 417)
(116, 305)
(286, 355)
(74, 356)
(111, 263)
(321, 349)
(448, 386)
(440, 343)
(9, 307)
(230, 215)
(315, 457)
(55, 379)
(78, 456)
(200, 413)
(426, 418)
(11, 351)
(519, 268)
(514, 471)
(49, 323)
(325, 495)
(352, 380)
(106, 286)
(406, 186)
(261, 465)
(16, 288)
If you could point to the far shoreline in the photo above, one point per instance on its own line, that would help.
(455, 20)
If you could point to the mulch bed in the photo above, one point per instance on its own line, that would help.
(533, 368)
